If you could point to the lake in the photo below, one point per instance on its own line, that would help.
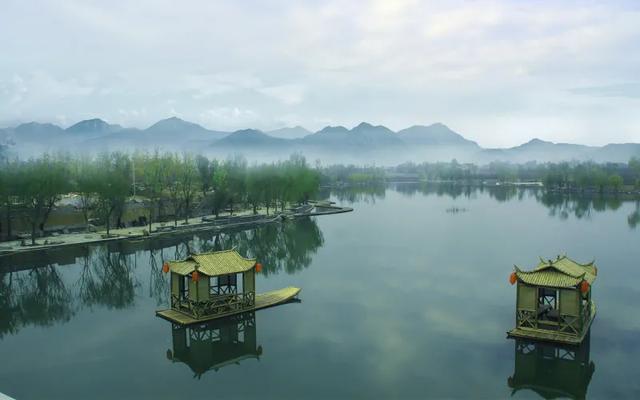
(406, 297)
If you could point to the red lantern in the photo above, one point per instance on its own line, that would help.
(584, 286)
(513, 278)
(195, 276)
(258, 267)
(165, 267)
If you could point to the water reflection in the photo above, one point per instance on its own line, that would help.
(108, 279)
(552, 370)
(158, 283)
(563, 205)
(355, 194)
(45, 288)
(38, 297)
(441, 189)
(634, 218)
(216, 344)
(286, 247)
(560, 205)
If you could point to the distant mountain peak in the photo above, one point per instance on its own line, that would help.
(249, 138)
(174, 123)
(295, 132)
(363, 125)
(36, 125)
(93, 125)
(536, 142)
(248, 131)
(329, 128)
(437, 134)
(37, 128)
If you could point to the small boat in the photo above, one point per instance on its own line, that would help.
(553, 301)
(213, 285)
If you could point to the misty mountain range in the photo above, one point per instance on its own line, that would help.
(364, 143)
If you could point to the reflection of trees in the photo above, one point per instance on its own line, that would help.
(44, 298)
(559, 204)
(580, 206)
(287, 246)
(108, 279)
(452, 190)
(158, 283)
(37, 297)
(8, 308)
(634, 218)
(279, 247)
(504, 193)
(359, 193)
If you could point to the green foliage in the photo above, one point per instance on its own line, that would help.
(104, 185)
(112, 184)
(578, 176)
(221, 190)
(337, 175)
(634, 165)
(188, 183)
(205, 171)
(39, 184)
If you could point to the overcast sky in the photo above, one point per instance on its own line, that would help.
(498, 72)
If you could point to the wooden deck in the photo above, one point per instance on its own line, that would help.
(553, 336)
(263, 300)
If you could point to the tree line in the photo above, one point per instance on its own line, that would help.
(171, 186)
(347, 175)
(580, 176)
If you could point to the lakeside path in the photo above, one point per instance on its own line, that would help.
(243, 219)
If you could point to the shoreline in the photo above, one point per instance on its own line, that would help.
(635, 193)
(142, 233)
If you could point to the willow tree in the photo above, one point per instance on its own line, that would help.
(113, 184)
(155, 169)
(8, 189)
(634, 165)
(206, 169)
(41, 183)
(255, 187)
(85, 183)
(220, 190)
(172, 183)
(189, 184)
(236, 189)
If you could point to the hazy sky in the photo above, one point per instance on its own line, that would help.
(498, 72)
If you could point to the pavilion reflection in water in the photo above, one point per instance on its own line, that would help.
(552, 370)
(216, 344)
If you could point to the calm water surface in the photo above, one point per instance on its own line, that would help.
(407, 297)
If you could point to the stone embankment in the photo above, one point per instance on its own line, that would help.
(206, 223)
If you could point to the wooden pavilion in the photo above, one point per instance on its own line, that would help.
(554, 301)
(213, 285)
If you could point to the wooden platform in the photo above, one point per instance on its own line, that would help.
(553, 336)
(263, 300)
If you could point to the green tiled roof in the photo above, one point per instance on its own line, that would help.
(561, 272)
(213, 264)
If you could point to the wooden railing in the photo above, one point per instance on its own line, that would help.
(217, 304)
